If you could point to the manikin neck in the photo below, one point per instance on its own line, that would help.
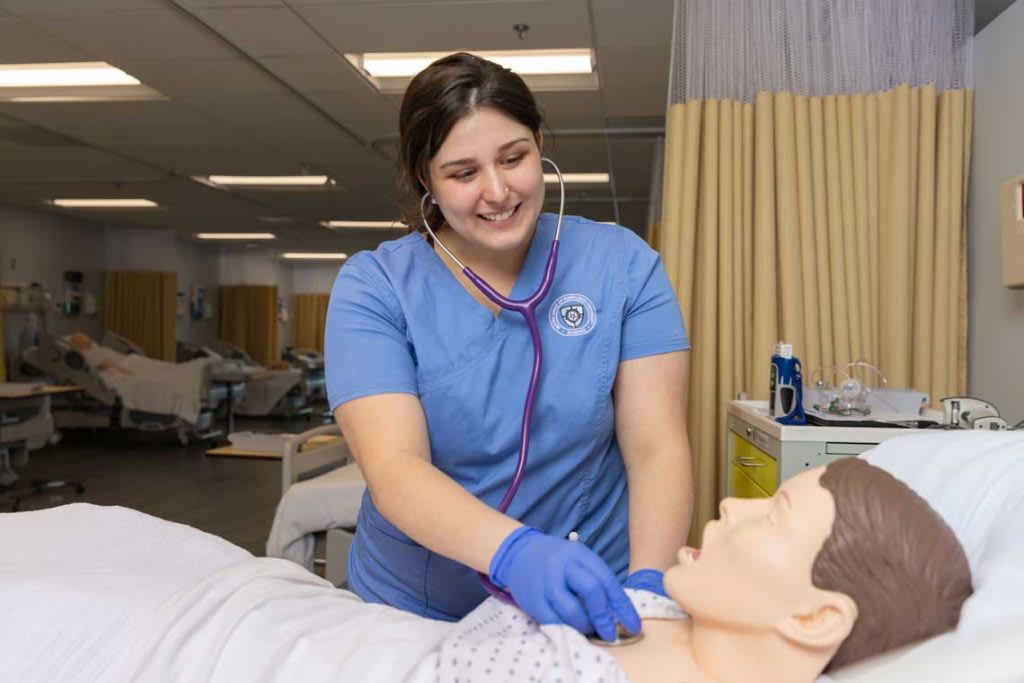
(727, 655)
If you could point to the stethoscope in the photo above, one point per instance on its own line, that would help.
(528, 309)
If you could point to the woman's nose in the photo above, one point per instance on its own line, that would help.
(495, 188)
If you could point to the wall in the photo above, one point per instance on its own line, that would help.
(198, 266)
(261, 267)
(996, 341)
(314, 278)
(38, 247)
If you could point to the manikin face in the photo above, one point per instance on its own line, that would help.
(488, 166)
(754, 570)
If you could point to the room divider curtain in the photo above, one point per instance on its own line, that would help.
(310, 316)
(815, 182)
(248, 318)
(140, 305)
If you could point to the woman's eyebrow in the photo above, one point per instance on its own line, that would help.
(469, 161)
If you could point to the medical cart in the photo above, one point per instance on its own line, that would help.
(762, 453)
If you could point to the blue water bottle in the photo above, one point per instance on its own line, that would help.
(785, 402)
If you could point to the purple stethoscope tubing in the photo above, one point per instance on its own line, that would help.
(528, 309)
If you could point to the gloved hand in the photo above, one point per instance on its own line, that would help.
(647, 580)
(557, 581)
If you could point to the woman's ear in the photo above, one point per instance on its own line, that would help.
(539, 137)
(824, 624)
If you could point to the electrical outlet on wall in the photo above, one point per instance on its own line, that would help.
(1012, 213)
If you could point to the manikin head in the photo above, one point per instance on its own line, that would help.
(80, 341)
(843, 563)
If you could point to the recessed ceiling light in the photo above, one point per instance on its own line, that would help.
(543, 70)
(104, 203)
(236, 235)
(523, 62)
(267, 180)
(578, 178)
(313, 256)
(395, 224)
(62, 75)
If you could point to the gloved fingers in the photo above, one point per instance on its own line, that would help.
(622, 608)
(569, 608)
(647, 580)
(587, 580)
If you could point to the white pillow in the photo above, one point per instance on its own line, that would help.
(975, 481)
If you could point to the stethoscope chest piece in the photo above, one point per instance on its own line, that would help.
(622, 638)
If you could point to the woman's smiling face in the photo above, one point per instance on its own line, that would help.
(488, 181)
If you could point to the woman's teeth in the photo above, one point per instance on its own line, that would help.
(500, 216)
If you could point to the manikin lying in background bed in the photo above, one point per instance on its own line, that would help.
(842, 563)
(147, 384)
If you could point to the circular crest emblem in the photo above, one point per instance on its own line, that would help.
(573, 315)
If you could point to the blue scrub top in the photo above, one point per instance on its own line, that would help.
(399, 321)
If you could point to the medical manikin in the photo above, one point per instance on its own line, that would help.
(843, 563)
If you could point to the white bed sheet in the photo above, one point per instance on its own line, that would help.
(92, 593)
(328, 501)
(157, 386)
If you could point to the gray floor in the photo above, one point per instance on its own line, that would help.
(234, 498)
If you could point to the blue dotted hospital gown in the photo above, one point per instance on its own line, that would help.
(498, 643)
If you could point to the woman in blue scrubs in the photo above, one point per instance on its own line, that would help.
(427, 378)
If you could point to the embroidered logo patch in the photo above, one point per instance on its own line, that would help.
(573, 315)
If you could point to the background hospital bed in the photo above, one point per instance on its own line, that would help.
(217, 391)
(321, 489)
(270, 392)
(97, 405)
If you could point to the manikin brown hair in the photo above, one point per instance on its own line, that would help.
(892, 554)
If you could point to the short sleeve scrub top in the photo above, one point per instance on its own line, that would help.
(399, 321)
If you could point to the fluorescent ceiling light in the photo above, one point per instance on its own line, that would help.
(578, 178)
(60, 75)
(395, 224)
(523, 62)
(104, 203)
(236, 235)
(267, 180)
(313, 256)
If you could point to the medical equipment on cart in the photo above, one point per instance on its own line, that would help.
(528, 309)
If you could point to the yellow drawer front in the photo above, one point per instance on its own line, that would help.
(743, 486)
(755, 463)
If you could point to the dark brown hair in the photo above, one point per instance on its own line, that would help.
(892, 554)
(437, 98)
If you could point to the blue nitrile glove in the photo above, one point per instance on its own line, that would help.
(557, 581)
(647, 580)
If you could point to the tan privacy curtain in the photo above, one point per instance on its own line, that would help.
(834, 223)
(140, 305)
(310, 316)
(248, 318)
(3, 352)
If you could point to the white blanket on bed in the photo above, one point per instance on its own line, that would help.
(151, 385)
(328, 501)
(92, 593)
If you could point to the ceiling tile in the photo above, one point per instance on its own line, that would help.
(265, 31)
(42, 7)
(416, 27)
(156, 34)
(22, 43)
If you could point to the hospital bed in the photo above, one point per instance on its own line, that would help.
(269, 391)
(165, 601)
(321, 491)
(311, 362)
(221, 373)
(100, 406)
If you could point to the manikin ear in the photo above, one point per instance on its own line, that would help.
(824, 623)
